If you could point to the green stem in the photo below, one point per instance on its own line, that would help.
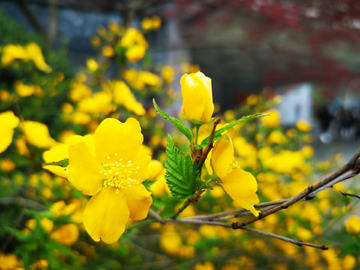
(197, 127)
(182, 208)
(141, 223)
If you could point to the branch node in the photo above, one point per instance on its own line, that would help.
(284, 206)
(310, 189)
(324, 247)
(309, 197)
(260, 215)
(234, 226)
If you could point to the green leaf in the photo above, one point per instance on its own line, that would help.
(181, 172)
(184, 130)
(61, 163)
(219, 132)
(148, 183)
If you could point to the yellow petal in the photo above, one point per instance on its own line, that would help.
(138, 200)
(38, 134)
(222, 156)
(113, 137)
(141, 161)
(84, 170)
(241, 187)
(105, 216)
(6, 136)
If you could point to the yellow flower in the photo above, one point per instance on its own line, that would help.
(108, 51)
(135, 53)
(11, 52)
(8, 262)
(146, 23)
(239, 184)
(308, 151)
(38, 134)
(35, 54)
(168, 73)
(114, 27)
(95, 40)
(79, 91)
(92, 65)
(272, 120)
(7, 165)
(205, 266)
(276, 137)
(252, 99)
(123, 95)
(8, 121)
(113, 177)
(24, 90)
(352, 225)
(156, 22)
(197, 96)
(97, 103)
(67, 234)
(4, 95)
(303, 125)
(149, 78)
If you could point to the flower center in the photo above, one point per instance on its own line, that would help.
(119, 174)
(234, 164)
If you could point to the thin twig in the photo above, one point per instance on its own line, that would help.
(24, 203)
(350, 195)
(156, 216)
(227, 225)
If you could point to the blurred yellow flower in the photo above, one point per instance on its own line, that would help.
(277, 137)
(146, 23)
(168, 73)
(149, 78)
(113, 177)
(272, 120)
(24, 90)
(352, 225)
(7, 165)
(135, 53)
(114, 27)
(205, 266)
(35, 54)
(8, 122)
(79, 91)
(11, 52)
(67, 234)
(239, 184)
(37, 134)
(95, 40)
(197, 96)
(123, 95)
(108, 51)
(47, 224)
(155, 169)
(308, 151)
(4, 95)
(92, 65)
(303, 125)
(8, 261)
(97, 103)
(156, 22)
(252, 99)
(170, 241)
(291, 133)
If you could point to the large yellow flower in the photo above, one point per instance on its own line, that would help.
(113, 177)
(197, 96)
(239, 184)
(8, 122)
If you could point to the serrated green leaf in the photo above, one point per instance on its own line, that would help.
(181, 172)
(184, 130)
(148, 183)
(61, 163)
(219, 132)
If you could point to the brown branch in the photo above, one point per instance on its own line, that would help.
(156, 216)
(350, 195)
(227, 225)
(24, 203)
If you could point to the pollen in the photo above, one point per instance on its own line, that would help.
(119, 174)
(234, 164)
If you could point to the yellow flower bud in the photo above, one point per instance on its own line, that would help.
(272, 120)
(196, 91)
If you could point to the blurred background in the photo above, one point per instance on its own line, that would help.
(68, 64)
(306, 51)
